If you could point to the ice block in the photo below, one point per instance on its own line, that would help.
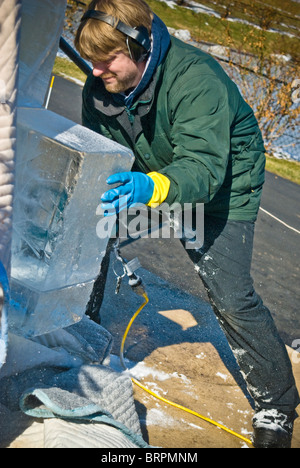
(41, 28)
(61, 172)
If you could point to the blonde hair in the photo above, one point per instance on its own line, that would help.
(96, 40)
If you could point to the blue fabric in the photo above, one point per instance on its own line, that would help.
(3, 328)
(161, 43)
(4, 282)
(134, 188)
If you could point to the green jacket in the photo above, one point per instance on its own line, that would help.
(192, 125)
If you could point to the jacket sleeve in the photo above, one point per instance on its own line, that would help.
(199, 115)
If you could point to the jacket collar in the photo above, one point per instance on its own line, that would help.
(160, 45)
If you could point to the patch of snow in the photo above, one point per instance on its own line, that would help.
(223, 376)
(219, 50)
(170, 3)
(182, 34)
(281, 57)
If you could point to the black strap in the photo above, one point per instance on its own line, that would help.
(139, 35)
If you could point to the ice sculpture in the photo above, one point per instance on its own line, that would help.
(41, 27)
(61, 169)
(61, 172)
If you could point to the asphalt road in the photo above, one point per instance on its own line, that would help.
(275, 267)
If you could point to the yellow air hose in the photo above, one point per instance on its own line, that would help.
(183, 408)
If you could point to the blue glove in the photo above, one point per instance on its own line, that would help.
(135, 188)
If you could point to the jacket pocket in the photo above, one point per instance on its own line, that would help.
(249, 156)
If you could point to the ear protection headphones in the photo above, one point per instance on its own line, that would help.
(137, 39)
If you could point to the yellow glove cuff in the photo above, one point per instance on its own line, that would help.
(161, 189)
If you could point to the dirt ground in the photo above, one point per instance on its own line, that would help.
(206, 387)
(181, 354)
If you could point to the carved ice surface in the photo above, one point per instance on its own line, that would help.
(61, 172)
(41, 28)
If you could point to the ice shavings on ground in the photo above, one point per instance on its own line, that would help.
(201, 356)
(158, 417)
(245, 432)
(223, 376)
(194, 426)
(140, 370)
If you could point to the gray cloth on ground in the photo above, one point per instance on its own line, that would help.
(88, 392)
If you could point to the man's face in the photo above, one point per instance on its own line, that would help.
(119, 73)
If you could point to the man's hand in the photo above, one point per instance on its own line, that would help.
(135, 188)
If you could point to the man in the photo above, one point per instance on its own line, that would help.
(195, 141)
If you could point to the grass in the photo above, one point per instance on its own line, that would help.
(220, 31)
(63, 67)
(277, 14)
(287, 169)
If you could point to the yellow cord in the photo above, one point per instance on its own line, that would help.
(129, 326)
(187, 410)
